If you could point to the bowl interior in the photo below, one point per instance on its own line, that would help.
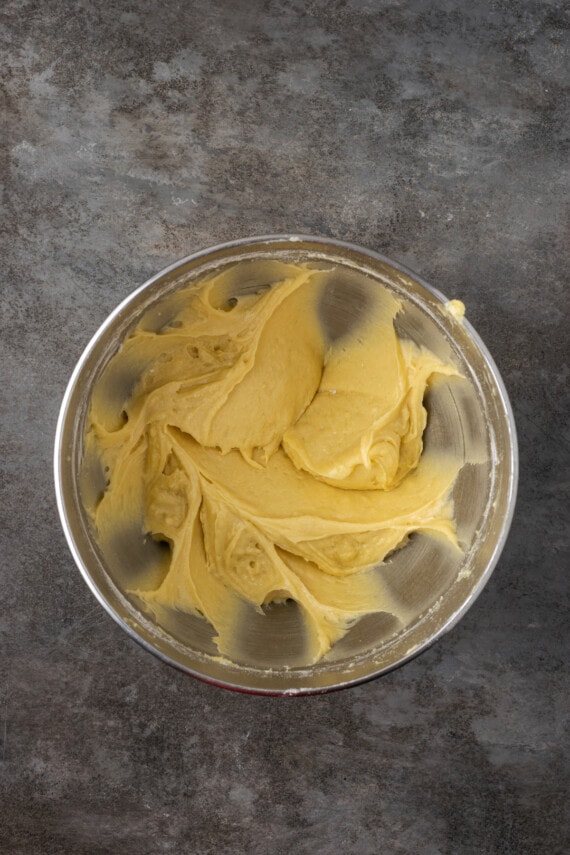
(433, 587)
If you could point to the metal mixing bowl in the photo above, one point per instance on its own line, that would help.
(474, 417)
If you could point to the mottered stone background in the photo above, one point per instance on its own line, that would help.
(134, 133)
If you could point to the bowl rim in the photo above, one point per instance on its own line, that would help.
(324, 242)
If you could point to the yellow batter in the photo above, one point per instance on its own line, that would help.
(277, 462)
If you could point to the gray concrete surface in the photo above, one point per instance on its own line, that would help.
(135, 133)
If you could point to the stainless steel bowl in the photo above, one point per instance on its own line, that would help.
(478, 421)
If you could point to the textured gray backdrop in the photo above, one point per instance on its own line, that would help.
(136, 132)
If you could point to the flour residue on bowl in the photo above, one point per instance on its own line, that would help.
(270, 454)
